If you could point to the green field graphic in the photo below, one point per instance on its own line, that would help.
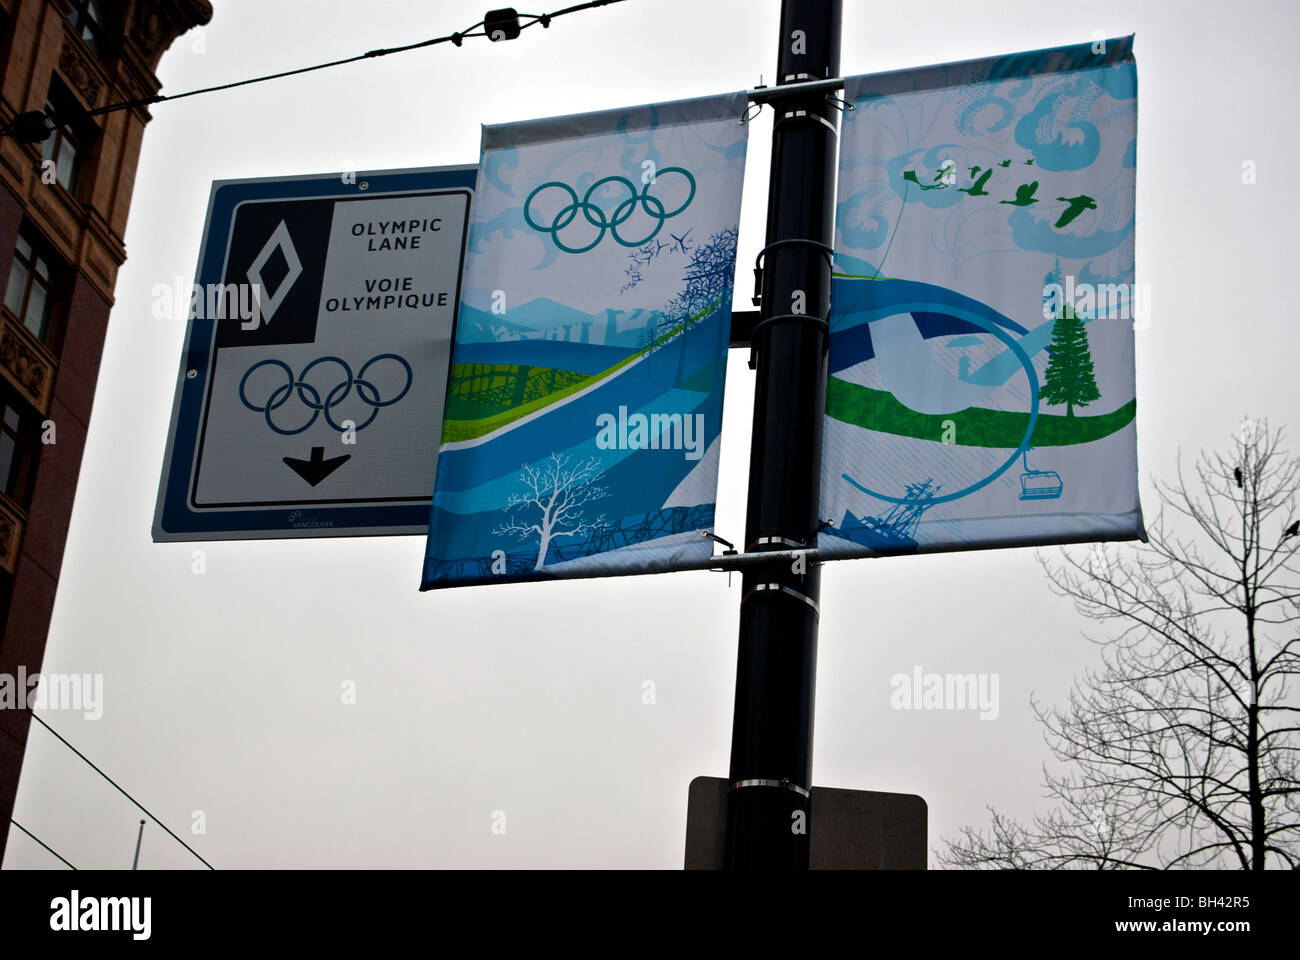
(975, 426)
(472, 389)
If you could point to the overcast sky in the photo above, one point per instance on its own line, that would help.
(223, 690)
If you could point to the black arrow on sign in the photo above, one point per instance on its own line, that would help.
(317, 468)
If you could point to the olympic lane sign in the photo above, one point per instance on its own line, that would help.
(324, 401)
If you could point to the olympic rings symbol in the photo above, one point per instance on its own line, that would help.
(311, 397)
(595, 216)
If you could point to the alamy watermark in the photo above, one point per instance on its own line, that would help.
(75, 913)
(945, 691)
(655, 431)
(53, 691)
(212, 301)
(1120, 301)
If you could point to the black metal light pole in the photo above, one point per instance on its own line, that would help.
(768, 815)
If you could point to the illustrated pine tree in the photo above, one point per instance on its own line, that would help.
(1069, 378)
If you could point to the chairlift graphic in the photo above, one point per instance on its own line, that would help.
(1039, 484)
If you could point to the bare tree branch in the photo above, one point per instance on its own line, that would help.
(1178, 751)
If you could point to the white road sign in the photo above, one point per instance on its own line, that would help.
(310, 395)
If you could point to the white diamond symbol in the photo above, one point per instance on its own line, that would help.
(267, 305)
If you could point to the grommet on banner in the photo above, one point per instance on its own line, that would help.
(746, 117)
(820, 527)
(710, 535)
(729, 552)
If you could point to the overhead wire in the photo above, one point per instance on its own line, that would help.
(38, 840)
(121, 790)
(455, 38)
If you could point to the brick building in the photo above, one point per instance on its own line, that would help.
(63, 210)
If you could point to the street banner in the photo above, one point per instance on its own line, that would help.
(317, 345)
(584, 409)
(983, 307)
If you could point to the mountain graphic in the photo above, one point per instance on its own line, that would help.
(545, 319)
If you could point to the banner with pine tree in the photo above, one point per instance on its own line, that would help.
(983, 307)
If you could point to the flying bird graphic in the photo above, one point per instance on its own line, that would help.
(1024, 195)
(977, 188)
(1076, 206)
(911, 175)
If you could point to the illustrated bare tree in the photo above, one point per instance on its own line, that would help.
(705, 281)
(706, 285)
(552, 502)
(1181, 751)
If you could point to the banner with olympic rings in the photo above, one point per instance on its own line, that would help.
(581, 434)
(983, 307)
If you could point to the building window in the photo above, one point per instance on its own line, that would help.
(62, 149)
(36, 280)
(87, 18)
(19, 448)
(66, 149)
(18, 457)
(11, 451)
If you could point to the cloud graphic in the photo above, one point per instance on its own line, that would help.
(628, 159)
(1030, 233)
(966, 120)
(507, 223)
(1120, 80)
(499, 161)
(1042, 134)
(851, 219)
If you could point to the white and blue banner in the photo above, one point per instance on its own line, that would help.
(584, 410)
(983, 307)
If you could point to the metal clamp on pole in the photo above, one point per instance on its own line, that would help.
(807, 115)
(781, 245)
(782, 784)
(783, 589)
(820, 322)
